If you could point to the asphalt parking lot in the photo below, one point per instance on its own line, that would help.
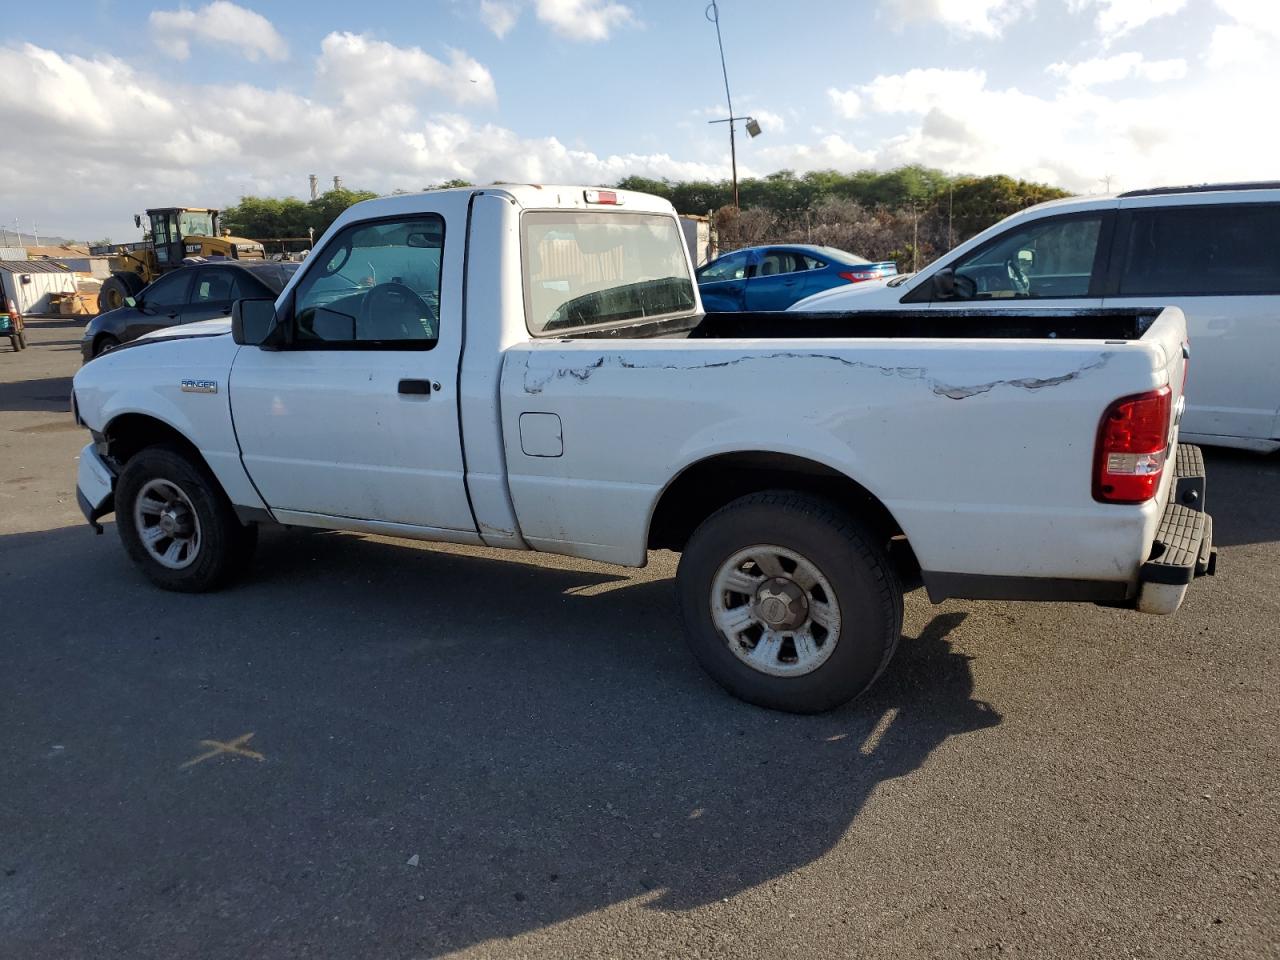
(372, 748)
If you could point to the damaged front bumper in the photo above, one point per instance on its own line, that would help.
(1183, 547)
(95, 486)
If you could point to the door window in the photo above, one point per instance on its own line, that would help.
(1203, 251)
(374, 285)
(732, 266)
(779, 261)
(164, 231)
(811, 263)
(1049, 258)
(215, 286)
(168, 291)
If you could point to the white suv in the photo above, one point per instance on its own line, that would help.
(1213, 251)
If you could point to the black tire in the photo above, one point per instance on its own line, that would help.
(225, 546)
(867, 592)
(104, 343)
(114, 289)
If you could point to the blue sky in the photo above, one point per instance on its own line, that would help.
(109, 106)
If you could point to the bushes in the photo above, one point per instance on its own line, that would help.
(910, 215)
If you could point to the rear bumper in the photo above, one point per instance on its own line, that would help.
(1183, 547)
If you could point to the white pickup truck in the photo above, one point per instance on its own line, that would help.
(529, 367)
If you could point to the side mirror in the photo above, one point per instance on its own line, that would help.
(252, 321)
(946, 284)
(1027, 258)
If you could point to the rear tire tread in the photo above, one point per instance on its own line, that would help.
(855, 537)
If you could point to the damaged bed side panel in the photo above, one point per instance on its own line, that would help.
(982, 450)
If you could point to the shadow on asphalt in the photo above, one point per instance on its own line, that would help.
(52, 395)
(1243, 495)
(537, 736)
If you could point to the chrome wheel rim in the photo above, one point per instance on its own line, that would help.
(775, 610)
(167, 524)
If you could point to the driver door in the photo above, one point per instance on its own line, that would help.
(166, 238)
(356, 416)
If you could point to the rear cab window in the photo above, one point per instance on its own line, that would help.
(587, 270)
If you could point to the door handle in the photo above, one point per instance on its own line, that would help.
(416, 387)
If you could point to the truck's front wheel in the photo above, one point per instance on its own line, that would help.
(177, 524)
(788, 602)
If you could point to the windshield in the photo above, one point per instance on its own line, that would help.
(585, 269)
(196, 223)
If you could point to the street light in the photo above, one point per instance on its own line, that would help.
(753, 127)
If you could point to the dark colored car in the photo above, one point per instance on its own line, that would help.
(202, 291)
(773, 278)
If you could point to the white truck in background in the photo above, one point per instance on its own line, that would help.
(529, 367)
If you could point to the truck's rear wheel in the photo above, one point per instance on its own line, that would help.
(788, 602)
(177, 524)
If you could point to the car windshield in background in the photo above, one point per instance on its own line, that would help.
(277, 275)
(587, 269)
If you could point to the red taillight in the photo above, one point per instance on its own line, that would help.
(1133, 443)
(853, 277)
(602, 196)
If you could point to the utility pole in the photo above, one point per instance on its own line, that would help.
(315, 183)
(1105, 180)
(35, 229)
(753, 128)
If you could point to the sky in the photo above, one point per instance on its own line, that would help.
(111, 106)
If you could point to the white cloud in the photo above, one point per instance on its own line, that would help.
(847, 103)
(916, 91)
(208, 144)
(986, 18)
(769, 121)
(1076, 135)
(499, 15)
(832, 151)
(218, 22)
(1115, 18)
(1122, 66)
(1248, 39)
(584, 19)
(373, 73)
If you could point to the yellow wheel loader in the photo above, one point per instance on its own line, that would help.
(177, 233)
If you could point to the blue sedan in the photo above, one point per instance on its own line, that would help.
(773, 278)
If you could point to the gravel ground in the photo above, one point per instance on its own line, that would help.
(414, 750)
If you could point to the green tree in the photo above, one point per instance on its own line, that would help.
(270, 218)
(327, 207)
